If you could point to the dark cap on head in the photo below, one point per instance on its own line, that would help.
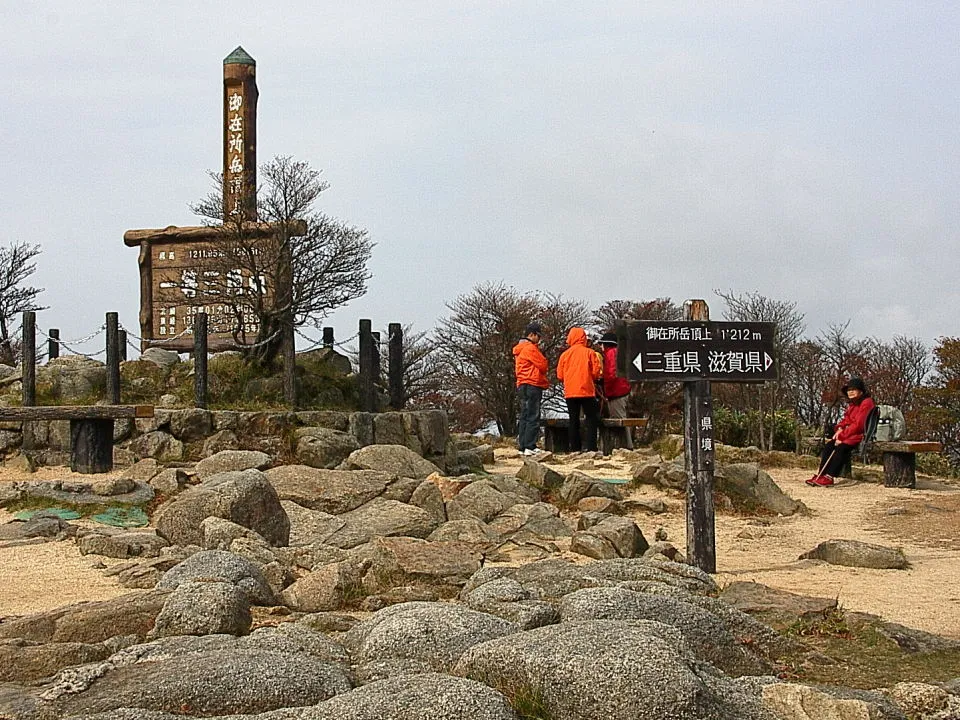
(855, 383)
(534, 329)
(608, 339)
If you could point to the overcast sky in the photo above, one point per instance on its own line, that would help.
(602, 149)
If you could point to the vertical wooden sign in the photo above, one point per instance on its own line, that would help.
(239, 136)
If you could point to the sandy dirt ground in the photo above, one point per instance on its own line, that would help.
(925, 523)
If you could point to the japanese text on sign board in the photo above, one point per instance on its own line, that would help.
(739, 352)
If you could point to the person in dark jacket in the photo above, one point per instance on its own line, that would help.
(616, 390)
(847, 433)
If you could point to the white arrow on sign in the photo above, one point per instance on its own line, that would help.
(767, 361)
(638, 362)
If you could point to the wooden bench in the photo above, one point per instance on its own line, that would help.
(900, 460)
(613, 433)
(91, 429)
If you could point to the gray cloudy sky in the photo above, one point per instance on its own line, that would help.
(603, 149)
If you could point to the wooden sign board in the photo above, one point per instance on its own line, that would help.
(697, 350)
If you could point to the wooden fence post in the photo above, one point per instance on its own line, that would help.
(122, 341)
(113, 359)
(288, 348)
(698, 456)
(53, 344)
(395, 366)
(368, 389)
(200, 360)
(328, 337)
(29, 352)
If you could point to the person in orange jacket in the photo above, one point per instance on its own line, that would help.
(578, 369)
(530, 367)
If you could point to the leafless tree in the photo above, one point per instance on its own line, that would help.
(16, 266)
(896, 369)
(606, 316)
(277, 276)
(478, 338)
(769, 397)
(846, 356)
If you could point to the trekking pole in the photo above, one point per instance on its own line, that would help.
(827, 461)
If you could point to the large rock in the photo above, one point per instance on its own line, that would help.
(601, 669)
(801, 702)
(231, 460)
(750, 487)
(705, 633)
(773, 605)
(23, 661)
(417, 697)
(468, 530)
(73, 379)
(578, 485)
(539, 476)
(537, 521)
(427, 496)
(610, 538)
(324, 448)
(159, 356)
(394, 459)
(204, 608)
(329, 491)
(220, 566)
(854, 553)
(207, 683)
(308, 527)
(122, 545)
(410, 561)
(89, 622)
(160, 445)
(329, 587)
(434, 633)
(191, 425)
(381, 518)
(245, 498)
(487, 497)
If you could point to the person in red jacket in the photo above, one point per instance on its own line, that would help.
(578, 369)
(615, 389)
(530, 368)
(847, 433)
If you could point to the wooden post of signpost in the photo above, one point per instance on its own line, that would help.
(53, 344)
(699, 456)
(200, 360)
(113, 359)
(289, 350)
(395, 366)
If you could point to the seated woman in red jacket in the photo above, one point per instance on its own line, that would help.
(847, 434)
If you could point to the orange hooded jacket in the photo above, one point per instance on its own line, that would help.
(579, 366)
(530, 366)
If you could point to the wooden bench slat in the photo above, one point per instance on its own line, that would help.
(76, 412)
(907, 446)
(606, 422)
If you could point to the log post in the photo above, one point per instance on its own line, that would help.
(288, 349)
(113, 359)
(29, 352)
(395, 366)
(368, 390)
(699, 456)
(900, 469)
(200, 360)
(122, 340)
(328, 337)
(375, 369)
(53, 344)
(91, 443)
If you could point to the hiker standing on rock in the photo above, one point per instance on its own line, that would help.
(530, 368)
(847, 433)
(578, 369)
(615, 389)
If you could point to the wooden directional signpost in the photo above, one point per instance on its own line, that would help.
(695, 352)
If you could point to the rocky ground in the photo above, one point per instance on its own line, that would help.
(548, 588)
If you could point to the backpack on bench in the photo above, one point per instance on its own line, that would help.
(890, 425)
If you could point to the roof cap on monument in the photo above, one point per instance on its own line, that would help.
(239, 57)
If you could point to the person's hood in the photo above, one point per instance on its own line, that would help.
(577, 336)
(519, 346)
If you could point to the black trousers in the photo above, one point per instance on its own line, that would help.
(591, 414)
(834, 457)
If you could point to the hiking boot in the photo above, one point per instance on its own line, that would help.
(823, 480)
(812, 481)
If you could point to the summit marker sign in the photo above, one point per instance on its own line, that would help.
(698, 350)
